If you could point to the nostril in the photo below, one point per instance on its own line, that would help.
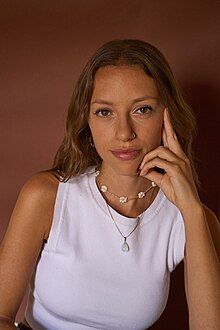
(125, 133)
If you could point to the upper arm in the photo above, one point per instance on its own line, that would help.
(28, 227)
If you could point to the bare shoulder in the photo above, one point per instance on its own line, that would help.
(33, 210)
(214, 227)
(39, 195)
(41, 184)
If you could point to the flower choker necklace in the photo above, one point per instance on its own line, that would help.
(123, 199)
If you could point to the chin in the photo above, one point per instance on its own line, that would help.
(126, 169)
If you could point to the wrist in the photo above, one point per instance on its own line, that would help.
(194, 210)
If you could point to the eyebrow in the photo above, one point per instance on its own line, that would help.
(100, 101)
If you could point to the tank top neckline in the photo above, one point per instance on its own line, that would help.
(99, 201)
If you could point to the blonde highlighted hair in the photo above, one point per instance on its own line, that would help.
(76, 154)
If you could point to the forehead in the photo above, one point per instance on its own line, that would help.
(132, 79)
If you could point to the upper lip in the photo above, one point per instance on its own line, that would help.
(125, 150)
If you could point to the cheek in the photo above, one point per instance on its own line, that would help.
(101, 137)
(100, 134)
(157, 132)
(153, 135)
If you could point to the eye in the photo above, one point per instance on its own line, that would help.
(102, 113)
(144, 110)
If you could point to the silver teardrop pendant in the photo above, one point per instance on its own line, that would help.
(125, 247)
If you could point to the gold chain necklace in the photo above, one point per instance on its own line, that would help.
(123, 199)
(125, 247)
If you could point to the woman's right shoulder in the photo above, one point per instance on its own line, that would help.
(32, 215)
(42, 184)
(38, 194)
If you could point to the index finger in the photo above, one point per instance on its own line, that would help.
(172, 141)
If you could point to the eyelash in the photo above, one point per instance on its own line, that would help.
(144, 107)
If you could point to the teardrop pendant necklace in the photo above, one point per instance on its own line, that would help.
(125, 247)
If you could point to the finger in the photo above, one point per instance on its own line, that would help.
(155, 177)
(168, 167)
(166, 154)
(164, 138)
(172, 140)
(168, 125)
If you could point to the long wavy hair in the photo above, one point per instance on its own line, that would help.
(76, 154)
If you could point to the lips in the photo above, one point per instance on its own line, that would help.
(125, 154)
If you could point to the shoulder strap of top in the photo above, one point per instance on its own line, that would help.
(58, 216)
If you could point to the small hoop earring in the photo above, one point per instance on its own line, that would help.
(133, 136)
(91, 142)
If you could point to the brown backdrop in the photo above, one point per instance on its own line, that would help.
(44, 46)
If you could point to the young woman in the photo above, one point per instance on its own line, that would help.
(98, 235)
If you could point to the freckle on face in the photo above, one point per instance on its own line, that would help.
(119, 87)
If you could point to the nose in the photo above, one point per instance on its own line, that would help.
(124, 129)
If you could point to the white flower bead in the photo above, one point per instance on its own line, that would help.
(141, 194)
(104, 188)
(123, 199)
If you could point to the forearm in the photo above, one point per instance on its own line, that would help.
(202, 273)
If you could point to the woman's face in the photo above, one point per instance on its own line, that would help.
(124, 101)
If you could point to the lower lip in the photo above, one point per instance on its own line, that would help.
(126, 155)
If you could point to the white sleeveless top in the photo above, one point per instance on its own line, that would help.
(83, 279)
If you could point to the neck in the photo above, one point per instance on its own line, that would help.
(123, 184)
(127, 186)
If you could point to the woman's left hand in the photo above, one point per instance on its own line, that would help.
(177, 183)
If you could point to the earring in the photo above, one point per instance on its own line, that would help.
(133, 136)
(91, 141)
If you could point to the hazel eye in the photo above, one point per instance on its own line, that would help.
(145, 110)
(102, 113)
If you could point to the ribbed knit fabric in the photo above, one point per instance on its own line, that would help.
(83, 279)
